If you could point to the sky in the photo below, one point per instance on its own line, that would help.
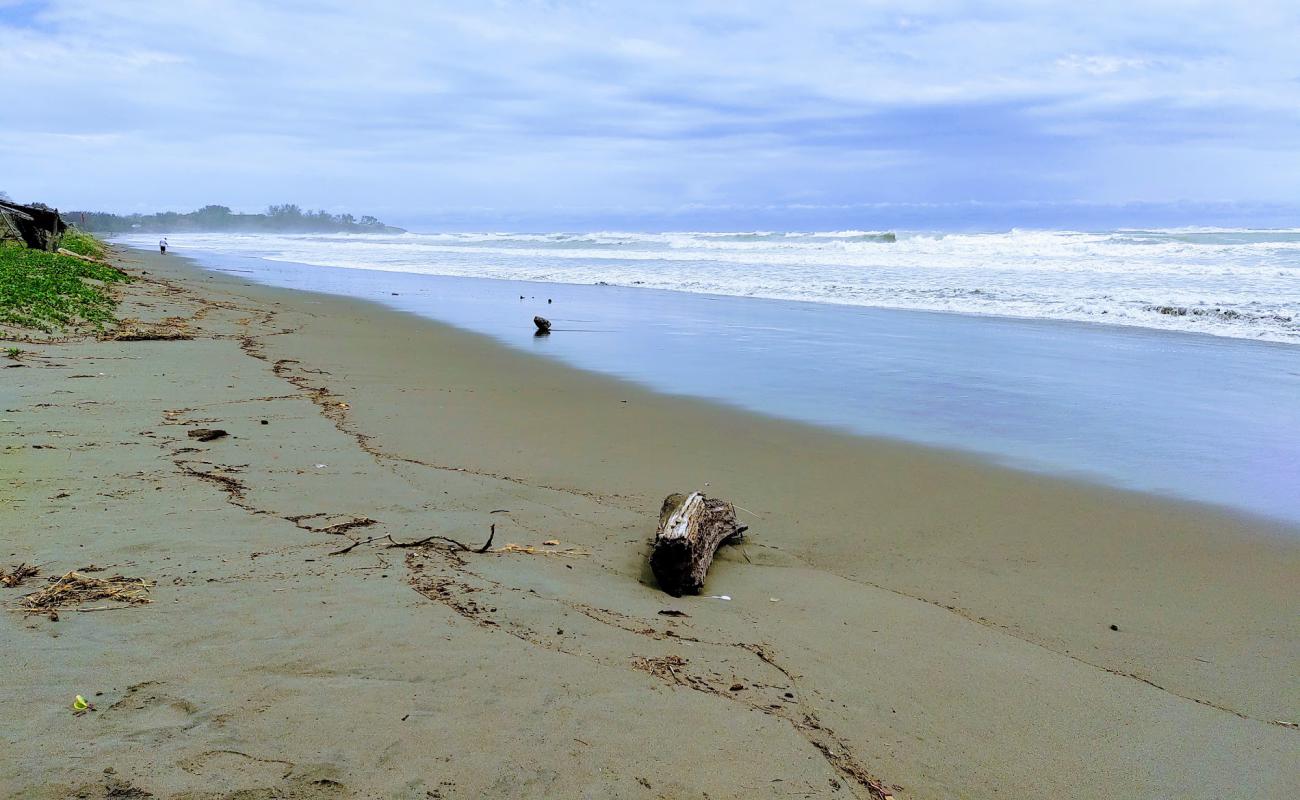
(713, 115)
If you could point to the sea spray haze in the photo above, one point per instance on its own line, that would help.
(1239, 283)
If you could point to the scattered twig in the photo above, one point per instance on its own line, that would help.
(426, 540)
(357, 543)
(455, 545)
(18, 574)
(308, 522)
(492, 533)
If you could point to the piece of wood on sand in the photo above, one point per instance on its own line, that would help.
(63, 251)
(691, 529)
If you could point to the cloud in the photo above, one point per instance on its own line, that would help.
(532, 106)
(1098, 65)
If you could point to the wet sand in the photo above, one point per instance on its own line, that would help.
(1195, 417)
(900, 616)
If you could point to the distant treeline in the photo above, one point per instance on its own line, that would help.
(286, 218)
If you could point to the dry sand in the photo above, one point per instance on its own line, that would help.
(898, 614)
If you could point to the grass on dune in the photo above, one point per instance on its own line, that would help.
(47, 291)
(82, 243)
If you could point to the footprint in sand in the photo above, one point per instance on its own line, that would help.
(251, 776)
(232, 769)
(147, 712)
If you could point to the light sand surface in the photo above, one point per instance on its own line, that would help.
(899, 615)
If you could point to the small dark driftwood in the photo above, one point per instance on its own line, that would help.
(691, 529)
(207, 434)
(543, 325)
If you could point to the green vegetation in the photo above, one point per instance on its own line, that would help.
(48, 291)
(286, 218)
(14, 352)
(82, 243)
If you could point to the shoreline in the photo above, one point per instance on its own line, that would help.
(1087, 324)
(1038, 397)
(519, 256)
(938, 623)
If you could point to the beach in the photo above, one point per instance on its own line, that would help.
(900, 619)
(1183, 413)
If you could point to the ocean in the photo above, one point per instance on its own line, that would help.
(1239, 283)
(1159, 361)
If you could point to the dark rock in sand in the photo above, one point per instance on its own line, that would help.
(207, 434)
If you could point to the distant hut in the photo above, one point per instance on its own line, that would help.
(38, 227)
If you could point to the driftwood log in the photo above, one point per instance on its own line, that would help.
(543, 325)
(63, 251)
(691, 529)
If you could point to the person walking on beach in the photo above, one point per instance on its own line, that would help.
(162, 245)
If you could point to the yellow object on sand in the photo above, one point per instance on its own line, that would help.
(80, 704)
(529, 549)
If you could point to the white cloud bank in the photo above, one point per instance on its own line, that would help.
(518, 108)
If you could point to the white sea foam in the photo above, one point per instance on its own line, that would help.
(1228, 282)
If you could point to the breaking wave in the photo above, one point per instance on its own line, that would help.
(1227, 282)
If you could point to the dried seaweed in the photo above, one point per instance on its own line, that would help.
(76, 589)
(17, 574)
(133, 330)
(532, 550)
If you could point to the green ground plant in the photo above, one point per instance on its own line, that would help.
(82, 243)
(48, 291)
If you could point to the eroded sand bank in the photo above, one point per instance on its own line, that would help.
(898, 615)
